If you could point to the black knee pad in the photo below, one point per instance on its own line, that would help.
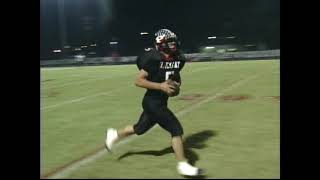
(168, 121)
(144, 124)
(176, 131)
(138, 129)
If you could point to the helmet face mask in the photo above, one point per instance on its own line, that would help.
(166, 41)
(172, 46)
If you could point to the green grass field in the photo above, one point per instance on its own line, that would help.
(228, 138)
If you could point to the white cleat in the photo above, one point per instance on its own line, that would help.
(112, 135)
(186, 169)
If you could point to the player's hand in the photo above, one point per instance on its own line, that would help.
(176, 84)
(176, 89)
(167, 88)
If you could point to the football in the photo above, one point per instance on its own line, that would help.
(177, 87)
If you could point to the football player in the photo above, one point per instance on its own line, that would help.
(159, 74)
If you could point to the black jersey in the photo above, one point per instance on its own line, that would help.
(160, 69)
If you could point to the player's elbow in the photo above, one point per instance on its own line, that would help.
(141, 78)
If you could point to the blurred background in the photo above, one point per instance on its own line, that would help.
(230, 110)
(113, 28)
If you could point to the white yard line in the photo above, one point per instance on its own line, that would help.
(103, 93)
(69, 169)
(79, 99)
(83, 81)
(108, 77)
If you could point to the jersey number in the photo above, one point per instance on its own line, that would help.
(168, 73)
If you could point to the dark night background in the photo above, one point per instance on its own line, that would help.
(75, 23)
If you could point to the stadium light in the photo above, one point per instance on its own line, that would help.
(209, 47)
(230, 37)
(77, 49)
(93, 45)
(232, 49)
(57, 51)
(113, 42)
(84, 46)
(212, 37)
(144, 33)
(80, 56)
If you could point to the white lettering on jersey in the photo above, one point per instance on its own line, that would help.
(170, 65)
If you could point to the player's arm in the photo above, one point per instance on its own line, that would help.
(141, 81)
